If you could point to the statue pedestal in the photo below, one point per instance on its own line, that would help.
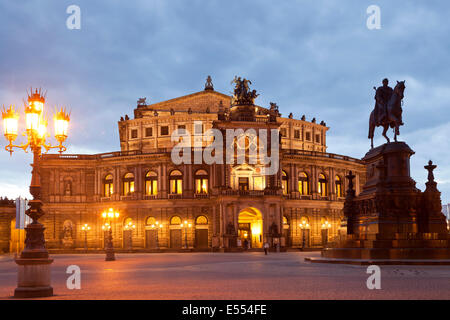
(391, 218)
(33, 278)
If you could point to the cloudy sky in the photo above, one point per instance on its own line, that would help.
(316, 58)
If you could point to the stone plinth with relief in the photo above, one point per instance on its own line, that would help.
(391, 218)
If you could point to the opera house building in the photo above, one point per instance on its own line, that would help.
(159, 204)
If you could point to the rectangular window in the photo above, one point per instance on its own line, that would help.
(297, 134)
(148, 132)
(317, 138)
(151, 187)
(198, 128)
(243, 183)
(134, 134)
(308, 136)
(165, 130)
(283, 132)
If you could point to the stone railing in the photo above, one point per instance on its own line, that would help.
(320, 154)
(116, 154)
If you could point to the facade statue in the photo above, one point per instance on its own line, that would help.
(242, 94)
(68, 188)
(388, 109)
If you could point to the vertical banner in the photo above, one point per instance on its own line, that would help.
(22, 220)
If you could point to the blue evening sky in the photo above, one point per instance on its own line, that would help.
(316, 58)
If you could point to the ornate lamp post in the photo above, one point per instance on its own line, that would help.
(34, 262)
(85, 228)
(130, 226)
(303, 225)
(156, 227)
(109, 216)
(186, 225)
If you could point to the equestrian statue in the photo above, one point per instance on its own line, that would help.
(388, 109)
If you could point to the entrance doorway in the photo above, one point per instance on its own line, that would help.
(150, 239)
(250, 227)
(175, 238)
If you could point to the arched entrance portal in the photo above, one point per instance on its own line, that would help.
(251, 227)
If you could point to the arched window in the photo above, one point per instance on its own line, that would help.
(338, 187)
(322, 185)
(108, 187)
(201, 220)
(303, 183)
(128, 184)
(150, 221)
(175, 220)
(176, 182)
(201, 182)
(151, 183)
(284, 182)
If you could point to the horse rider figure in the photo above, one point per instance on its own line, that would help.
(382, 96)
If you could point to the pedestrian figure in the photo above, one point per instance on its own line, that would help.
(266, 248)
(245, 244)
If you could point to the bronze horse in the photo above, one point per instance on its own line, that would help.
(393, 117)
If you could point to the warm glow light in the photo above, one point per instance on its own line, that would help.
(10, 123)
(61, 120)
(42, 128)
(32, 120)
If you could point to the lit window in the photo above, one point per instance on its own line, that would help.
(128, 184)
(108, 186)
(201, 220)
(150, 221)
(176, 182)
(284, 182)
(201, 182)
(303, 183)
(176, 220)
(243, 183)
(322, 185)
(151, 183)
(338, 187)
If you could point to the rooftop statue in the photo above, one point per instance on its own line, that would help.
(209, 85)
(242, 94)
(388, 109)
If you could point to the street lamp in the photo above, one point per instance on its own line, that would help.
(303, 225)
(186, 226)
(156, 227)
(85, 228)
(130, 227)
(109, 216)
(34, 262)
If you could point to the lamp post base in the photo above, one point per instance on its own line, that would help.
(110, 256)
(33, 278)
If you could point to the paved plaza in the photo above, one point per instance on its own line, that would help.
(231, 276)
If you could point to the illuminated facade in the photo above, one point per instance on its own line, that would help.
(197, 206)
